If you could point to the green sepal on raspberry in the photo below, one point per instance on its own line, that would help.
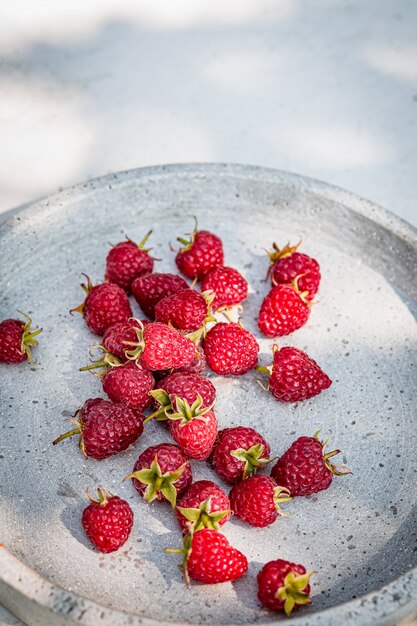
(252, 458)
(336, 470)
(292, 592)
(177, 408)
(186, 552)
(78, 430)
(28, 337)
(281, 495)
(203, 516)
(157, 482)
(104, 363)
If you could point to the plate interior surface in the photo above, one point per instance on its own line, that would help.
(359, 534)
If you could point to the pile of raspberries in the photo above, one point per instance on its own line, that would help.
(157, 364)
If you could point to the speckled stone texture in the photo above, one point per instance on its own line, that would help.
(359, 535)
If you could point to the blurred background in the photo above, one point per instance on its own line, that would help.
(325, 88)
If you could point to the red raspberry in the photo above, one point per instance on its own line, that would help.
(209, 558)
(118, 336)
(287, 264)
(257, 500)
(230, 349)
(129, 383)
(185, 386)
(16, 340)
(192, 426)
(107, 521)
(161, 347)
(238, 453)
(283, 311)
(151, 288)
(204, 505)
(283, 586)
(162, 473)
(104, 305)
(186, 310)
(197, 365)
(305, 468)
(200, 253)
(228, 285)
(128, 260)
(294, 376)
(105, 428)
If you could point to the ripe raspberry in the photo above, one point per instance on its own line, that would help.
(160, 347)
(305, 468)
(16, 340)
(187, 310)
(257, 500)
(200, 253)
(283, 586)
(209, 558)
(287, 264)
(104, 305)
(149, 289)
(204, 505)
(197, 365)
(107, 521)
(230, 349)
(119, 336)
(294, 376)
(128, 260)
(185, 386)
(283, 311)
(162, 473)
(228, 285)
(129, 383)
(238, 453)
(105, 428)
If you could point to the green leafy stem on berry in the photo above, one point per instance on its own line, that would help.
(292, 592)
(251, 458)
(157, 482)
(337, 470)
(175, 408)
(203, 516)
(281, 495)
(185, 551)
(107, 361)
(28, 337)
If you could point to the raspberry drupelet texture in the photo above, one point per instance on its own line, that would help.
(200, 254)
(104, 305)
(149, 289)
(126, 261)
(16, 340)
(238, 453)
(129, 383)
(229, 286)
(107, 521)
(283, 311)
(105, 428)
(230, 349)
(257, 500)
(209, 558)
(186, 310)
(305, 468)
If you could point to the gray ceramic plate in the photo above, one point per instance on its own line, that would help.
(360, 535)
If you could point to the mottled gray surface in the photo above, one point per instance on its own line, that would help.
(361, 533)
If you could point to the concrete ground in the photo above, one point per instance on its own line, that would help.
(326, 88)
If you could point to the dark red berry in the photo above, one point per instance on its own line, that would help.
(238, 453)
(305, 468)
(16, 340)
(287, 264)
(126, 261)
(229, 286)
(161, 473)
(257, 500)
(105, 428)
(186, 310)
(129, 383)
(107, 521)
(199, 254)
(283, 311)
(151, 288)
(104, 305)
(230, 349)
(283, 586)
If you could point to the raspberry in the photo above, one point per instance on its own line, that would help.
(228, 285)
(200, 253)
(151, 288)
(238, 453)
(204, 505)
(128, 260)
(107, 521)
(16, 340)
(283, 586)
(230, 349)
(257, 500)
